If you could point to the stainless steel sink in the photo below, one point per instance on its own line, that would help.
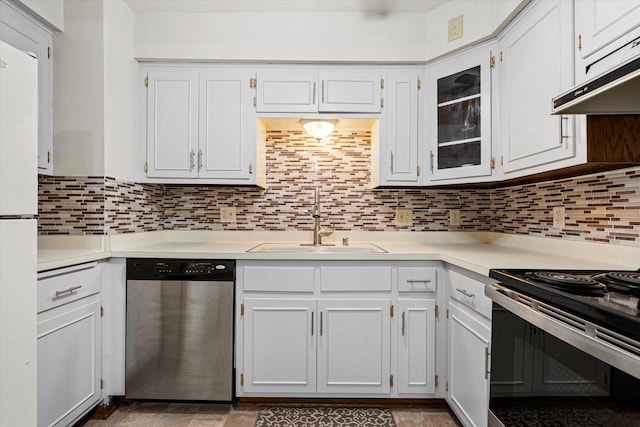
(297, 248)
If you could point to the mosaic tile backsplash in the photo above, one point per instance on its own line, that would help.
(603, 207)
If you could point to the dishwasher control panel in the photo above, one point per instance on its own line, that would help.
(179, 269)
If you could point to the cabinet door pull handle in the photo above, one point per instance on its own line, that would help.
(431, 160)
(192, 160)
(487, 370)
(402, 323)
(322, 91)
(200, 159)
(418, 280)
(314, 94)
(312, 323)
(320, 323)
(563, 120)
(391, 162)
(465, 293)
(66, 292)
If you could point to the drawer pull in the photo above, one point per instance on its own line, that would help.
(465, 293)
(66, 292)
(403, 323)
(418, 280)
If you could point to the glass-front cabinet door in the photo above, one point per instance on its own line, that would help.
(459, 116)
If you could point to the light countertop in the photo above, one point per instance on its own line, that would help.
(475, 251)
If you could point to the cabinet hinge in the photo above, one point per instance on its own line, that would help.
(492, 163)
(391, 380)
(255, 101)
(419, 84)
(492, 62)
(49, 52)
(381, 102)
(250, 168)
(146, 167)
(253, 82)
(580, 42)
(436, 381)
(391, 310)
(101, 311)
(146, 81)
(101, 384)
(381, 83)
(418, 170)
(241, 379)
(241, 309)
(501, 160)
(437, 310)
(500, 56)
(48, 156)
(446, 386)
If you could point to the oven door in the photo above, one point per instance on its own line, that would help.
(538, 378)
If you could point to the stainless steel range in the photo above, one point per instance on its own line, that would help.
(565, 348)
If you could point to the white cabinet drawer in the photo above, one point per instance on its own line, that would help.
(358, 278)
(469, 292)
(278, 278)
(416, 279)
(62, 286)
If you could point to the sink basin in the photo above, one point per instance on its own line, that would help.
(297, 248)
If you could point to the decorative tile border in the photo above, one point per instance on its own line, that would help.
(602, 207)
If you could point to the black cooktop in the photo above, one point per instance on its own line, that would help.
(607, 298)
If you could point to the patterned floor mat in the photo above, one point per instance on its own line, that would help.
(324, 417)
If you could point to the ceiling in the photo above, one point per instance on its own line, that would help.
(365, 6)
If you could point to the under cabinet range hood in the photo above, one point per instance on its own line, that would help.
(614, 89)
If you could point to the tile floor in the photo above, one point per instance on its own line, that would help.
(159, 414)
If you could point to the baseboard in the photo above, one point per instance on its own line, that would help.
(374, 403)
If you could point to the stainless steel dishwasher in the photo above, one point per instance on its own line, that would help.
(179, 330)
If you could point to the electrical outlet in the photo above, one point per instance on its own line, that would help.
(455, 28)
(404, 217)
(558, 217)
(228, 214)
(454, 218)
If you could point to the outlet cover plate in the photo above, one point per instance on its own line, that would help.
(454, 218)
(455, 28)
(558, 217)
(404, 217)
(228, 214)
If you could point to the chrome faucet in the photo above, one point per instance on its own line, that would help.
(318, 233)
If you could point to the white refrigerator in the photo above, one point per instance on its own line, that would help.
(18, 236)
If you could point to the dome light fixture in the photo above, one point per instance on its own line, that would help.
(319, 128)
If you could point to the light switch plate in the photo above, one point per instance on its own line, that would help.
(454, 218)
(558, 217)
(228, 214)
(404, 217)
(455, 28)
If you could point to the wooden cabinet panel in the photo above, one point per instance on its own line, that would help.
(416, 346)
(350, 91)
(283, 91)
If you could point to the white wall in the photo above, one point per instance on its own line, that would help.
(319, 36)
(122, 89)
(78, 100)
(51, 11)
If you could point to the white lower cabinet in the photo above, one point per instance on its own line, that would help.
(416, 344)
(279, 345)
(333, 329)
(353, 346)
(69, 344)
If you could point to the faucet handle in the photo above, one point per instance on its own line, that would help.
(325, 232)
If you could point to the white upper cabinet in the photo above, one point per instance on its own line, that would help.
(172, 124)
(458, 114)
(350, 92)
(201, 124)
(24, 34)
(227, 126)
(536, 64)
(398, 153)
(287, 91)
(310, 90)
(601, 22)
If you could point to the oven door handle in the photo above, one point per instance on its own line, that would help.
(594, 340)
